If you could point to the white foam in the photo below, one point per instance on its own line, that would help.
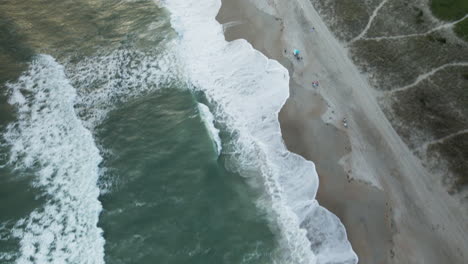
(106, 81)
(248, 91)
(208, 120)
(51, 141)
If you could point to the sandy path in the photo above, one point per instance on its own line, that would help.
(411, 218)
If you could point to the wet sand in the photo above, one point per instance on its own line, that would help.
(392, 211)
(361, 207)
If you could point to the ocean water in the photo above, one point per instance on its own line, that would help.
(132, 132)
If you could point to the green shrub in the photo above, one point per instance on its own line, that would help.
(462, 29)
(449, 9)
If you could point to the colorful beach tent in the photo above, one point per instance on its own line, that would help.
(296, 52)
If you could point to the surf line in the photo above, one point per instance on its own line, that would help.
(249, 91)
(49, 138)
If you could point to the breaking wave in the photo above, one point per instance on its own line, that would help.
(247, 91)
(51, 141)
(208, 119)
(57, 107)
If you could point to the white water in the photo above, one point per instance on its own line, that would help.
(208, 119)
(106, 81)
(248, 91)
(50, 140)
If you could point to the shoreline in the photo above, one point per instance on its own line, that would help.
(345, 197)
(368, 176)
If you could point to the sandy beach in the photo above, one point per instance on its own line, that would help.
(393, 209)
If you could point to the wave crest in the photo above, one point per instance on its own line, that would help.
(50, 141)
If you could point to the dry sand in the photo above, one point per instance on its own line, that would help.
(393, 209)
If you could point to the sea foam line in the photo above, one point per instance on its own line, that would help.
(50, 140)
(247, 91)
(208, 120)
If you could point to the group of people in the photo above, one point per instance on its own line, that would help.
(296, 53)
